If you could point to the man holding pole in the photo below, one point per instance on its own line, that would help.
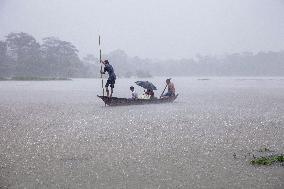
(171, 89)
(111, 77)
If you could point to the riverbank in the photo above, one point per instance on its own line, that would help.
(34, 79)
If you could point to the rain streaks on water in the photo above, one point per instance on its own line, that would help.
(59, 134)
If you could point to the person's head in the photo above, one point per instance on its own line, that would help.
(106, 62)
(132, 88)
(168, 81)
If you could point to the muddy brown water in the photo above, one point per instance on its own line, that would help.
(58, 134)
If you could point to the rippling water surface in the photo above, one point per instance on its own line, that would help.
(58, 134)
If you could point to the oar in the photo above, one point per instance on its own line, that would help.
(163, 90)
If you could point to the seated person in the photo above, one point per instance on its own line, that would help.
(171, 89)
(151, 93)
(144, 96)
(134, 95)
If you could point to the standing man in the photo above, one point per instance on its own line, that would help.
(171, 89)
(111, 77)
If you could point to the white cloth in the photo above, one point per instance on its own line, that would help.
(134, 95)
(144, 96)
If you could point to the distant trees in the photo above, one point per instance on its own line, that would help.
(3, 50)
(25, 51)
(237, 64)
(5, 67)
(92, 66)
(90, 59)
(61, 58)
(21, 55)
(126, 66)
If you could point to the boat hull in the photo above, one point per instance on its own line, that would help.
(114, 101)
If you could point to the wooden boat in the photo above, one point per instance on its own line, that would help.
(114, 101)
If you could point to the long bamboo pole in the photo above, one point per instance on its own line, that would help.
(101, 65)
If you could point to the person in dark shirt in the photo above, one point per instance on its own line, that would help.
(111, 77)
(151, 93)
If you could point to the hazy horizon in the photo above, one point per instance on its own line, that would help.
(160, 30)
(69, 121)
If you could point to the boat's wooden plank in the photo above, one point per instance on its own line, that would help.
(114, 101)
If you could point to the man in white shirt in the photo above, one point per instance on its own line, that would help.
(134, 95)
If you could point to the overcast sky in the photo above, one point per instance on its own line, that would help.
(152, 28)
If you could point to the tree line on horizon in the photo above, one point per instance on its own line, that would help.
(21, 55)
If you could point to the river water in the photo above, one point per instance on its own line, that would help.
(58, 134)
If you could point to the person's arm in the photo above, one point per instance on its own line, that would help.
(169, 87)
(103, 72)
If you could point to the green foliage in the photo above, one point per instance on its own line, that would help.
(268, 160)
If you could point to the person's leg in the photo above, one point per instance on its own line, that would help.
(166, 95)
(111, 87)
(106, 86)
(107, 91)
(111, 91)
